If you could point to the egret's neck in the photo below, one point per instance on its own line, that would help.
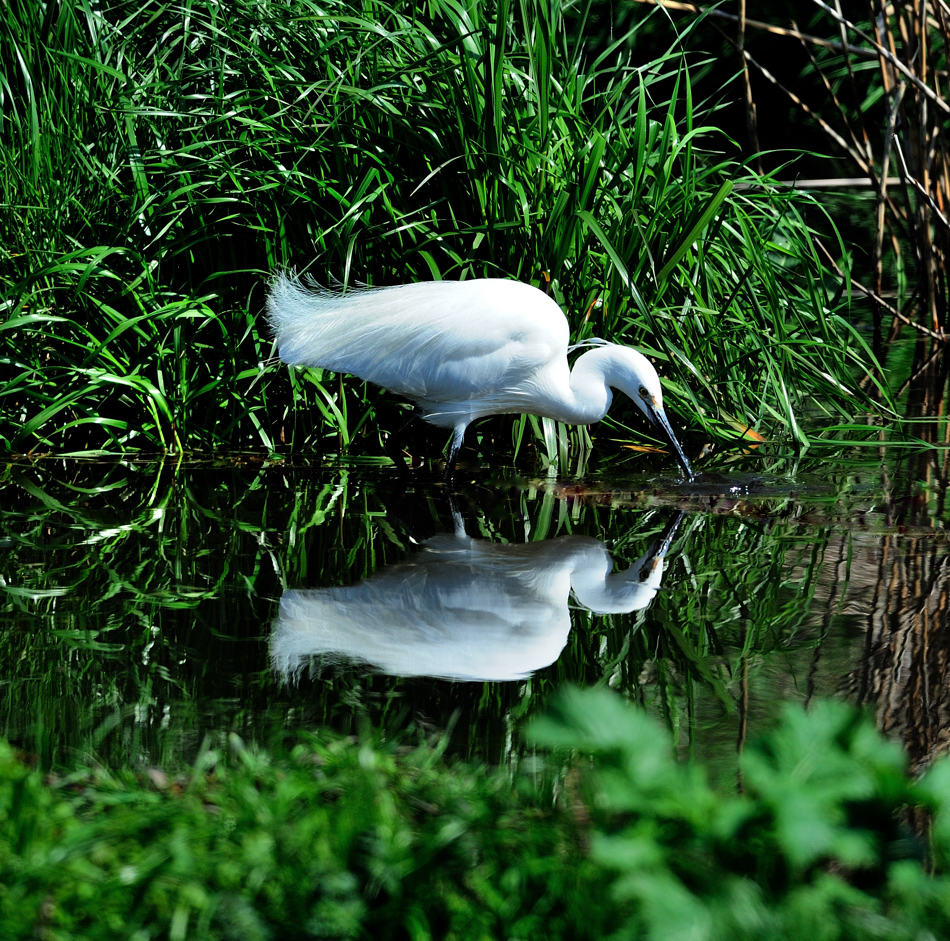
(591, 380)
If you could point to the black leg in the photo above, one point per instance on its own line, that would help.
(458, 521)
(457, 440)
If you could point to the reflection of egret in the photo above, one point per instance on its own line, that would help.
(465, 608)
(462, 350)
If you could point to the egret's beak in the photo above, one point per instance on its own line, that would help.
(658, 416)
(665, 539)
(652, 559)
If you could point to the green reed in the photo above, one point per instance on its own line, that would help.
(159, 162)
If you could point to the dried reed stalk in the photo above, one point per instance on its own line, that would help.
(899, 146)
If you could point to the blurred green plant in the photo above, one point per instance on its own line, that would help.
(159, 161)
(816, 844)
(608, 837)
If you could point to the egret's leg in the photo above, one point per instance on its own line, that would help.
(458, 521)
(392, 442)
(457, 438)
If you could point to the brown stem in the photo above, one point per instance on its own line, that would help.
(750, 117)
(765, 27)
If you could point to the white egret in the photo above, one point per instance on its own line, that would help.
(465, 609)
(462, 350)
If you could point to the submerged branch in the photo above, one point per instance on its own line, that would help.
(887, 55)
(828, 183)
(915, 183)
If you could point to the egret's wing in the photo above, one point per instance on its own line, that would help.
(435, 341)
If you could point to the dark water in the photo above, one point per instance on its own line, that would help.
(150, 608)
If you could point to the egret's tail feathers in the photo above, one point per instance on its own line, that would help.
(296, 309)
(319, 326)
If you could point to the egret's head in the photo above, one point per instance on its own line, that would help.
(643, 386)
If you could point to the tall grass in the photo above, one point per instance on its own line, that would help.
(159, 161)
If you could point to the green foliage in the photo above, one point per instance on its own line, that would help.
(337, 839)
(159, 161)
(811, 847)
(343, 838)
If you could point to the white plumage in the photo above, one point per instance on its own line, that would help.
(462, 350)
(465, 609)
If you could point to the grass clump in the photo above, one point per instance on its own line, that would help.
(340, 838)
(159, 161)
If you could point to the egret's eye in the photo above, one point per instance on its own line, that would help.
(643, 392)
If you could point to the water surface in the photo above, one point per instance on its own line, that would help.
(151, 608)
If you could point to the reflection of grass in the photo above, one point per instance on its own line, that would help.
(737, 608)
(137, 607)
(143, 583)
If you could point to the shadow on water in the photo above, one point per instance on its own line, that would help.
(148, 607)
